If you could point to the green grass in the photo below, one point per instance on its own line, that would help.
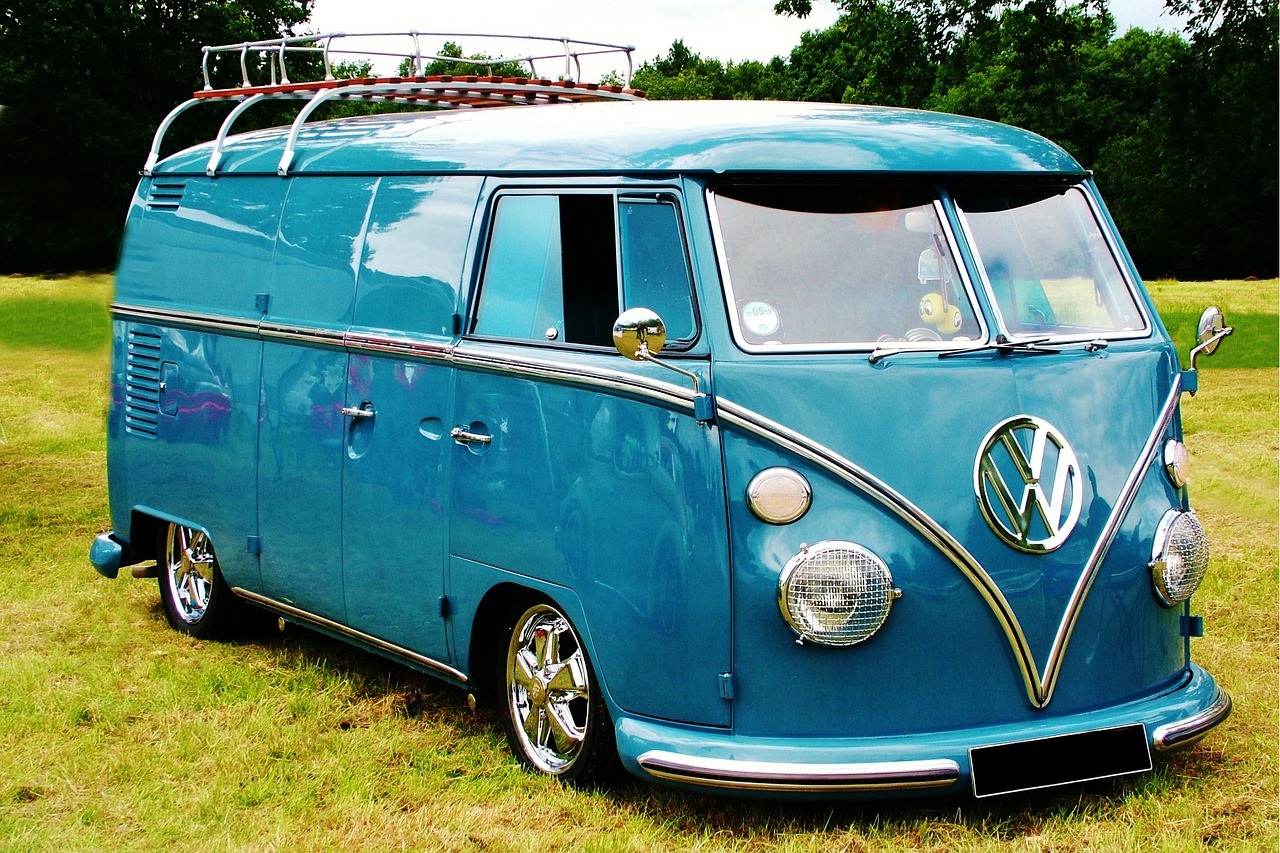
(1250, 307)
(117, 733)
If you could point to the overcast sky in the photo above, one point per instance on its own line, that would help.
(720, 29)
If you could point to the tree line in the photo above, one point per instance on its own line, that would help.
(1180, 129)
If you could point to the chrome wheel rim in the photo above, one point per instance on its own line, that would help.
(548, 689)
(189, 561)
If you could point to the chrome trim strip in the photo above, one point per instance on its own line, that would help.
(1188, 731)
(788, 776)
(332, 338)
(395, 345)
(161, 316)
(466, 355)
(1039, 688)
(312, 335)
(352, 633)
(1128, 493)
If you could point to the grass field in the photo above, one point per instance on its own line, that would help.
(117, 733)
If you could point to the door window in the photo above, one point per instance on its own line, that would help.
(561, 268)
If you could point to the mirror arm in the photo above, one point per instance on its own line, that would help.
(703, 407)
(1222, 333)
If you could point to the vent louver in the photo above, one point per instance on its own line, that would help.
(142, 384)
(166, 195)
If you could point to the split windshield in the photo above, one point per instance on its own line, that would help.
(1047, 263)
(828, 267)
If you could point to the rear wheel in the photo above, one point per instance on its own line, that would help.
(553, 713)
(197, 601)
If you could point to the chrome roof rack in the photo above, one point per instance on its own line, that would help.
(449, 91)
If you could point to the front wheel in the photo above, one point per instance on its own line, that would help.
(197, 601)
(555, 719)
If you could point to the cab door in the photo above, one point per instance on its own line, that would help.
(567, 474)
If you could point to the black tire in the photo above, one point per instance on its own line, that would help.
(196, 600)
(553, 714)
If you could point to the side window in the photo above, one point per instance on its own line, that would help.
(655, 273)
(552, 270)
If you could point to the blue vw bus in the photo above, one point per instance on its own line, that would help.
(774, 448)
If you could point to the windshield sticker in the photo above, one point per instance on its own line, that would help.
(760, 318)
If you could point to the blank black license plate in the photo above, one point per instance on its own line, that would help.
(1031, 764)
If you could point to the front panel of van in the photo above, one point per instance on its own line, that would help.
(979, 488)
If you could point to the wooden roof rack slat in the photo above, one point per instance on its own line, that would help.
(441, 91)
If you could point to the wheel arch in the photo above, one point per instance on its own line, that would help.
(146, 525)
(486, 642)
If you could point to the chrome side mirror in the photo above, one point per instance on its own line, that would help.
(639, 334)
(1212, 330)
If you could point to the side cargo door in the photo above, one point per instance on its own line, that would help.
(397, 446)
(304, 385)
(570, 474)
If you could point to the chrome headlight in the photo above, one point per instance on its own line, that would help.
(1179, 557)
(835, 593)
(1176, 462)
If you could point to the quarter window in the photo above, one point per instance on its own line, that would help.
(560, 268)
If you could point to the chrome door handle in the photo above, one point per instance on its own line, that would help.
(462, 436)
(356, 412)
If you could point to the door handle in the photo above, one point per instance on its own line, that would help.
(356, 412)
(462, 436)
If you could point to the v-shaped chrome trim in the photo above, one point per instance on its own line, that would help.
(1039, 687)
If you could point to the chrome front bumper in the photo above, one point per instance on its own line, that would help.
(928, 763)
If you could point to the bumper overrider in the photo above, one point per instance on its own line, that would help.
(1101, 744)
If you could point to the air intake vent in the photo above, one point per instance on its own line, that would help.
(165, 195)
(142, 384)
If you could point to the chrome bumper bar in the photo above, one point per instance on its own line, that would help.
(781, 776)
(1186, 732)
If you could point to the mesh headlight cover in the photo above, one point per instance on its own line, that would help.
(835, 593)
(1179, 557)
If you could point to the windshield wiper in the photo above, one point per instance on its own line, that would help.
(1005, 346)
(1002, 345)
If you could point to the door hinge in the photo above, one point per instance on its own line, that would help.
(262, 301)
(254, 545)
(1191, 626)
(726, 685)
(445, 609)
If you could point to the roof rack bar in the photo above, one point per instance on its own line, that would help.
(154, 156)
(212, 168)
(454, 90)
(276, 51)
(442, 91)
(290, 145)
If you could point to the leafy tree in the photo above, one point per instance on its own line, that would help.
(1038, 68)
(86, 83)
(874, 54)
(683, 75)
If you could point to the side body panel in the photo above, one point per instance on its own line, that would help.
(620, 500)
(185, 407)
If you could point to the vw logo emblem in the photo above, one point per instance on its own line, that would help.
(1028, 484)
